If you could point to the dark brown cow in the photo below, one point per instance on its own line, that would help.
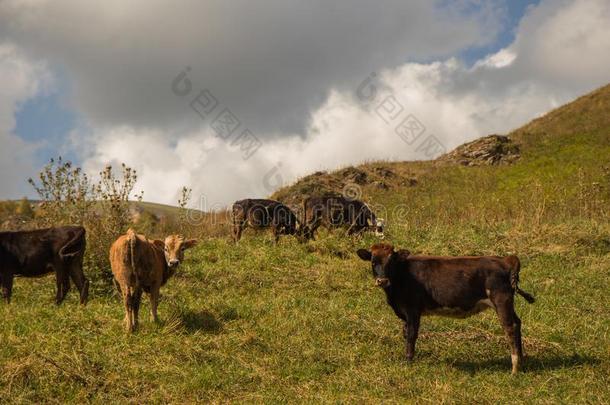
(448, 286)
(39, 252)
(337, 211)
(261, 214)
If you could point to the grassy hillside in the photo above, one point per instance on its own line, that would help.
(303, 322)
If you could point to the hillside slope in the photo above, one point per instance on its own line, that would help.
(562, 158)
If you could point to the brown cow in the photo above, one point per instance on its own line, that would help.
(140, 264)
(41, 251)
(448, 286)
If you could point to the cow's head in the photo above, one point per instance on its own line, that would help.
(379, 225)
(304, 233)
(379, 256)
(291, 227)
(174, 247)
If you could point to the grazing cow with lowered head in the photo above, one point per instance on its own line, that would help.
(337, 211)
(448, 286)
(41, 251)
(140, 264)
(261, 214)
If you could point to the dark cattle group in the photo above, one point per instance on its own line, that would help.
(415, 286)
(329, 211)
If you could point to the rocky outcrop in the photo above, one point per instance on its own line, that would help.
(489, 150)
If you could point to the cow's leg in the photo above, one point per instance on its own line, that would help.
(353, 228)
(154, 302)
(313, 226)
(6, 280)
(81, 282)
(237, 230)
(410, 331)
(136, 299)
(511, 325)
(117, 286)
(127, 302)
(62, 283)
(518, 342)
(276, 233)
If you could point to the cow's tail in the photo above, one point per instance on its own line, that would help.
(74, 246)
(515, 267)
(132, 239)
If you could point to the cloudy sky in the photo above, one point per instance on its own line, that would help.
(234, 98)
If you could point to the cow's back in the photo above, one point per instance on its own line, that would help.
(33, 253)
(138, 262)
(446, 281)
(332, 210)
(258, 213)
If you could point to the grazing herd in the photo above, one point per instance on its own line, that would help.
(329, 212)
(415, 286)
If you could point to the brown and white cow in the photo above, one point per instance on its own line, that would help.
(261, 214)
(448, 286)
(140, 264)
(42, 251)
(338, 211)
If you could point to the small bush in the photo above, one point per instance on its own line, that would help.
(69, 197)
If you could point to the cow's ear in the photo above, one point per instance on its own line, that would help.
(190, 243)
(364, 254)
(159, 243)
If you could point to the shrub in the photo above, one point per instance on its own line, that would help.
(70, 198)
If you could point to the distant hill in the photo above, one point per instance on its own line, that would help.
(10, 217)
(556, 152)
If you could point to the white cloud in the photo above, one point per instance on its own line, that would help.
(121, 79)
(566, 43)
(21, 80)
(271, 61)
(454, 102)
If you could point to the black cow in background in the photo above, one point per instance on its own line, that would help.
(39, 252)
(336, 211)
(261, 214)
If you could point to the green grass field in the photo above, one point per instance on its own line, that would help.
(256, 322)
(259, 322)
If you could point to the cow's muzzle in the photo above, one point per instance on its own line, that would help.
(382, 282)
(173, 263)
